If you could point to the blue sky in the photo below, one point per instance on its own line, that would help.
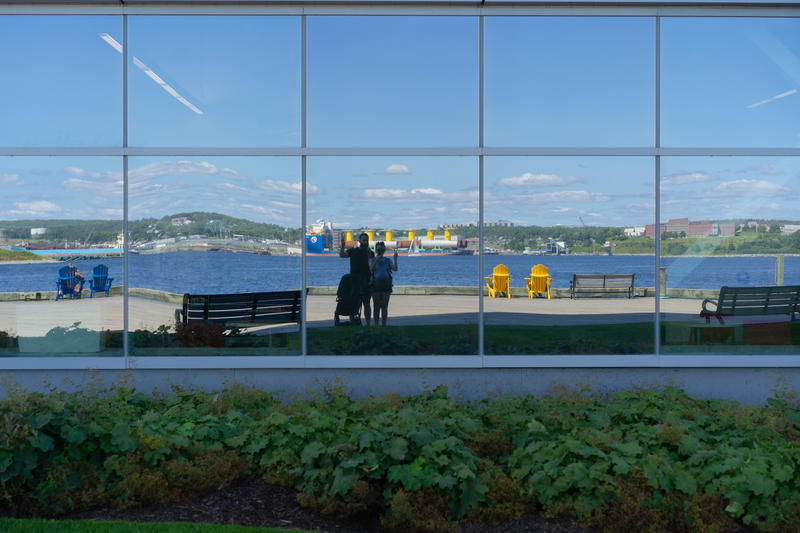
(400, 81)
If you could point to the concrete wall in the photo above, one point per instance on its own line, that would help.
(746, 385)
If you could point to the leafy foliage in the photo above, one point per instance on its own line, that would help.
(637, 461)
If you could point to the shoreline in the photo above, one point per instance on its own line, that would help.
(29, 261)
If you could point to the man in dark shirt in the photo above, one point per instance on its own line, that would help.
(360, 257)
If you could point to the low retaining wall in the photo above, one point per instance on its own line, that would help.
(418, 290)
(746, 385)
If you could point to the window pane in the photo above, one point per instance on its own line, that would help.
(729, 230)
(423, 208)
(214, 81)
(61, 81)
(730, 82)
(393, 81)
(60, 256)
(219, 226)
(570, 81)
(582, 218)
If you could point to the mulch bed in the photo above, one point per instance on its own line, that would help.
(254, 502)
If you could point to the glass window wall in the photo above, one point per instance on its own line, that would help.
(393, 81)
(570, 81)
(568, 254)
(207, 227)
(214, 81)
(61, 275)
(567, 268)
(61, 81)
(730, 82)
(729, 245)
(392, 246)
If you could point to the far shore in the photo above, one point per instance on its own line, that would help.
(29, 261)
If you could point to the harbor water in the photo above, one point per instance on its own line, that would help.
(222, 272)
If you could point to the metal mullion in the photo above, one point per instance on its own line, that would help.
(657, 183)
(522, 151)
(303, 182)
(125, 214)
(481, 321)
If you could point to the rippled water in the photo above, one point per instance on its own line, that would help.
(218, 272)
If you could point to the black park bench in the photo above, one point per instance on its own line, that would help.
(600, 284)
(753, 301)
(241, 310)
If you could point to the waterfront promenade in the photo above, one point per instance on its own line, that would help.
(35, 318)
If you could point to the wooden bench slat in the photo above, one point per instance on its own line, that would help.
(754, 301)
(602, 283)
(253, 308)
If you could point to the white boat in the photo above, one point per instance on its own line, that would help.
(413, 250)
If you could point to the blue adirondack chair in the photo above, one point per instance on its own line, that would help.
(67, 283)
(100, 281)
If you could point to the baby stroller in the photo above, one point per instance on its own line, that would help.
(348, 301)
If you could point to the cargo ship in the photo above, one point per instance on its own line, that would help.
(322, 240)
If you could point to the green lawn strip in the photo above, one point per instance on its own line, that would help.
(19, 255)
(570, 339)
(10, 525)
(445, 339)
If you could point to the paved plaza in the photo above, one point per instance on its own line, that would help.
(35, 318)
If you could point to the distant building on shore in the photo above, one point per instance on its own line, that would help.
(36, 232)
(693, 228)
(790, 228)
(636, 231)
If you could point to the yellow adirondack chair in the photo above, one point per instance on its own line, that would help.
(539, 282)
(499, 282)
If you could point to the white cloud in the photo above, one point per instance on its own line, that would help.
(470, 210)
(172, 168)
(109, 175)
(426, 191)
(395, 168)
(685, 177)
(233, 187)
(11, 179)
(288, 205)
(561, 210)
(385, 194)
(34, 209)
(75, 185)
(749, 187)
(265, 211)
(287, 187)
(536, 180)
(568, 196)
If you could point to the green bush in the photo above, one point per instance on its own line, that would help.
(636, 461)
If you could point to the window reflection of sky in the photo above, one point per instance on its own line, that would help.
(403, 81)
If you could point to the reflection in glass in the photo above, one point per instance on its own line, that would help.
(729, 223)
(570, 81)
(562, 222)
(214, 81)
(393, 81)
(61, 81)
(730, 82)
(219, 226)
(60, 256)
(424, 210)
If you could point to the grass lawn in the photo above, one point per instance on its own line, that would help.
(630, 338)
(462, 339)
(9, 525)
(18, 255)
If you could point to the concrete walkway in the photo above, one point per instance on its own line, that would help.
(35, 318)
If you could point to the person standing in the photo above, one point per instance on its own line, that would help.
(382, 268)
(360, 257)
